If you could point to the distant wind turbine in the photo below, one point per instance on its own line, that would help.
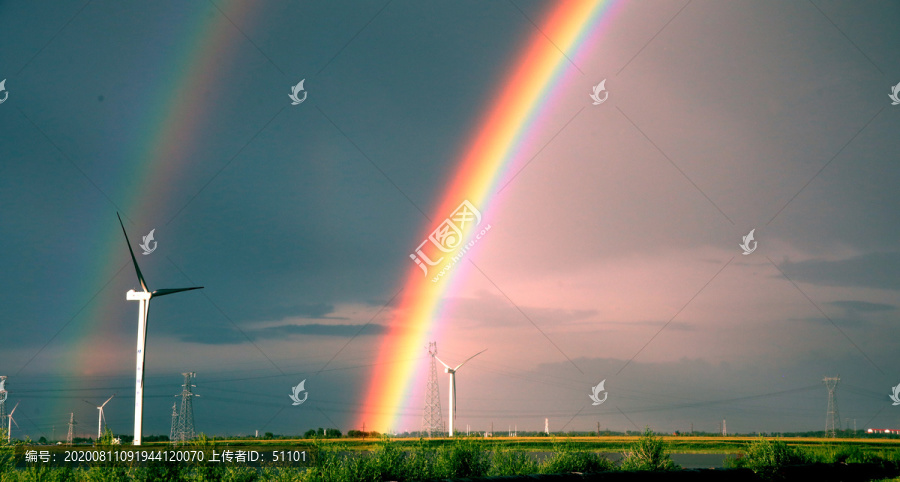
(144, 297)
(452, 372)
(100, 418)
(11, 421)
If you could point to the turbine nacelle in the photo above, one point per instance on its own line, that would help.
(133, 295)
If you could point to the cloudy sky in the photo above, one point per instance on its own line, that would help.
(614, 250)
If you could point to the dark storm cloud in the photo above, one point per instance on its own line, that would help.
(874, 270)
(232, 336)
(854, 322)
(863, 306)
(347, 331)
(314, 310)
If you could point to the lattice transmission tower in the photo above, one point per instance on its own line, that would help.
(432, 423)
(174, 429)
(832, 416)
(72, 423)
(3, 395)
(185, 430)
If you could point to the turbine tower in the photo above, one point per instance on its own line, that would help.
(143, 297)
(100, 418)
(11, 421)
(433, 424)
(452, 372)
(185, 429)
(831, 413)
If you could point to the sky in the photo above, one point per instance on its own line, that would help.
(613, 252)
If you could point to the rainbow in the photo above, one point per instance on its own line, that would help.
(188, 65)
(494, 148)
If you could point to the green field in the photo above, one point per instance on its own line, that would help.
(406, 459)
(676, 444)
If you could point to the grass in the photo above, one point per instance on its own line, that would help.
(389, 459)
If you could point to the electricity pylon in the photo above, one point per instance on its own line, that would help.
(832, 416)
(185, 429)
(173, 431)
(71, 436)
(3, 395)
(432, 422)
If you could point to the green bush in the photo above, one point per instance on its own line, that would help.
(648, 453)
(568, 457)
(462, 458)
(766, 458)
(505, 461)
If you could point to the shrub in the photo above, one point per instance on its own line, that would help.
(766, 458)
(505, 461)
(462, 458)
(568, 457)
(648, 453)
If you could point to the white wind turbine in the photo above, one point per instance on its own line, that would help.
(11, 421)
(100, 418)
(144, 297)
(452, 372)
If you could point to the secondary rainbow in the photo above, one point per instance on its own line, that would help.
(494, 148)
(155, 144)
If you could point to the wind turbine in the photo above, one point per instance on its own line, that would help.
(144, 297)
(452, 372)
(101, 417)
(11, 421)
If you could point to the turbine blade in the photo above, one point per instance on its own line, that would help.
(13, 410)
(137, 268)
(13, 420)
(89, 403)
(107, 401)
(467, 359)
(103, 415)
(442, 361)
(169, 291)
